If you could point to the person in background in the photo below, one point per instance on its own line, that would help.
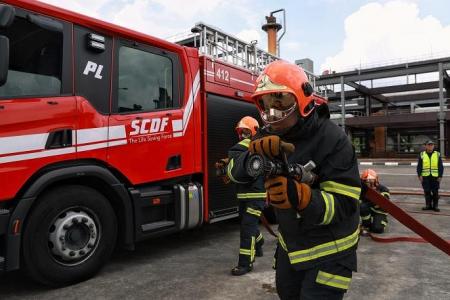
(251, 195)
(374, 219)
(430, 170)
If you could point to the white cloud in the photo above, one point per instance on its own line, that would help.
(383, 33)
(249, 35)
(167, 18)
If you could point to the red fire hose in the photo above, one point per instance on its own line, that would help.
(404, 218)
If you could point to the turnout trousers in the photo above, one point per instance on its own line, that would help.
(251, 239)
(328, 281)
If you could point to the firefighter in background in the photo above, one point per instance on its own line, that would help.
(318, 224)
(430, 170)
(373, 217)
(251, 196)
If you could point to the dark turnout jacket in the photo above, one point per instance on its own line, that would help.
(328, 228)
(248, 188)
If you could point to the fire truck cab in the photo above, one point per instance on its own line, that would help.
(107, 137)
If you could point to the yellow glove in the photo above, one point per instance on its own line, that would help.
(284, 193)
(270, 146)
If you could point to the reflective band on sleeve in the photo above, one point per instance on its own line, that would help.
(336, 281)
(245, 143)
(251, 195)
(229, 168)
(324, 249)
(384, 223)
(329, 208)
(339, 188)
(253, 211)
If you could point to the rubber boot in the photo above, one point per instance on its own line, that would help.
(241, 270)
(427, 202)
(435, 203)
(259, 250)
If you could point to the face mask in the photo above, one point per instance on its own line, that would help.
(275, 107)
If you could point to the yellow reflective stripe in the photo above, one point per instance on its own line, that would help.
(259, 238)
(378, 211)
(229, 168)
(253, 251)
(339, 188)
(384, 223)
(251, 195)
(324, 249)
(336, 281)
(282, 243)
(253, 211)
(245, 143)
(365, 217)
(385, 194)
(245, 251)
(329, 208)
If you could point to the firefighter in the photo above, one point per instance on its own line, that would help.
(318, 223)
(373, 217)
(251, 196)
(430, 170)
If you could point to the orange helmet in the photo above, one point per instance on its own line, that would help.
(370, 174)
(247, 123)
(285, 80)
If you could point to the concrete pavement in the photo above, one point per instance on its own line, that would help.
(196, 264)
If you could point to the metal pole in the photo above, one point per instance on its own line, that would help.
(441, 110)
(342, 103)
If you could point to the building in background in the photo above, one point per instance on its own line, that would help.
(390, 111)
(306, 63)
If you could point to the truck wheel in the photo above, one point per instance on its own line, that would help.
(69, 235)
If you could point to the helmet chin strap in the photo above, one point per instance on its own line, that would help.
(281, 132)
(281, 115)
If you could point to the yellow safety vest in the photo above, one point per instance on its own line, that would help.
(430, 166)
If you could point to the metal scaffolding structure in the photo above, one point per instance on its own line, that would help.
(392, 97)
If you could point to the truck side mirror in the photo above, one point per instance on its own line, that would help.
(7, 14)
(4, 59)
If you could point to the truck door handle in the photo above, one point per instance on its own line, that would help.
(174, 162)
(52, 102)
(59, 139)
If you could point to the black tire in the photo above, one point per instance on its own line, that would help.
(54, 207)
(270, 215)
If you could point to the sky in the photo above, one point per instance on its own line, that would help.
(336, 34)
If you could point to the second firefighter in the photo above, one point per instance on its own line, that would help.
(251, 195)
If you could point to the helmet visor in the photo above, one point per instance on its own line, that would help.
(275, 107)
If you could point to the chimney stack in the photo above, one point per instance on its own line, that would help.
(271, 27)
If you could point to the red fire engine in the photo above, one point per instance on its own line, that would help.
(109, 136)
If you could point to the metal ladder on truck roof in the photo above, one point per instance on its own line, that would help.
(217, 44)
